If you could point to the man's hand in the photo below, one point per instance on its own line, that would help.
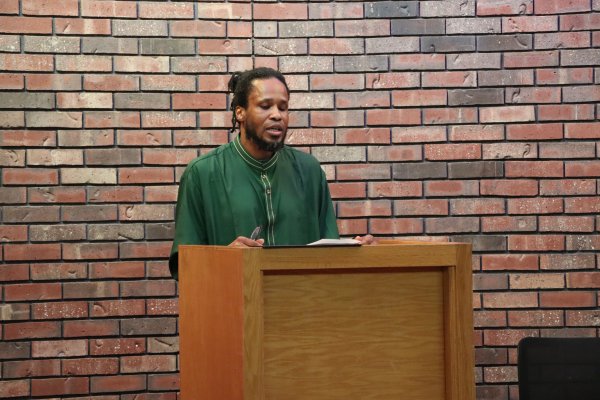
(242, 241)
(367, 239)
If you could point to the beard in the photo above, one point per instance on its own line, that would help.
(261, 143)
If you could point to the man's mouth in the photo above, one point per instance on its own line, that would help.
(274, 130)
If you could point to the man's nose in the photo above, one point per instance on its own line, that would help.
(275, 113)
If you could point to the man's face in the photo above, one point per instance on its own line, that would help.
(265, 121)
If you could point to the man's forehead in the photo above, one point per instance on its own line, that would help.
(268, 88)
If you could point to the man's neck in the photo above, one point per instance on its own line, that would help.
(253, 149)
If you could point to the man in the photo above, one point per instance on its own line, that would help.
(255, 180)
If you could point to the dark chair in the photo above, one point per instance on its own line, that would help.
(559, 369)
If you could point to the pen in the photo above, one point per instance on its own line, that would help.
(256, 232)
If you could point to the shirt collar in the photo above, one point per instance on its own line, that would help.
(261, 165)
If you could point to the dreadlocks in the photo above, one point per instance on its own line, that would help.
(240, 85)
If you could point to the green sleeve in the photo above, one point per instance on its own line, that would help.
(327, 220)
(189, 219)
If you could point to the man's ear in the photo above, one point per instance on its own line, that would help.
(240, 114)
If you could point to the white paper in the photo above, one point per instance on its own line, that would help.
(335, 242)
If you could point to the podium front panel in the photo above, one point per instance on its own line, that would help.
(351, 334)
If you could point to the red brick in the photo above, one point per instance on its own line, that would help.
(160, 194)
(345, 190)
(510, 300)
(333, 11)
(537, 95)
(280, 11)
(167, 10)
(535, 206)
(541, 169)
(145, 250)
(566, 299)
(90, 366)
(362, 135)
(121, 383)
(437, 152)
(394, 80)
(82, 26)
(394, 117)
(89, 213)
(117, 308)
(449, 79)
(530, 23)
(507, 114)
(451, 188)
(197, 28)
(582, 130)
(9, 7)
(361, 100)
(537, 281)
(561, 6)
(120, 270)
(125, 9)
(396, 226)
(60, 310)
(214, 11)
(395, 189)
(489, 319)
(101, 347)
(89, 251)
(421, 207)
(12, 81)
(504, 7)
(538, 318)
(50, 7)
(582, 205)
(568, 187)
(163, 382)
(112, 119)
(394, 153)
(145, 175)
(508, 224)
(168, 156)
(58, 271)
(564, 76)
(502, 262)
(162, 307)
(416, 98)
(148, 363)
(59, 386)
(421, 62)
(111, 83)
(418, 134)
(569, 261)
(553, 112)
(87, 290)
(335, 82)
(90, 328)
(25, 25)
(477, 206)
(531, 59)
(30, 368)
(14, 388)
(582, 168)
(31, 330)
(536, 243)
(577, 22)
(583, 280)
(197, 101)
(32, 252)
(561, 223)
(364, 208)
(166, 119)
(58, 195)
(59, 348)
(583, 318)
(14, 272)
(13, 233)
(548, 131)
(509, 187)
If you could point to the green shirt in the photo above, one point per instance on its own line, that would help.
(227, 193)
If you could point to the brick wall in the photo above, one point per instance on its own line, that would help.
(473, 120)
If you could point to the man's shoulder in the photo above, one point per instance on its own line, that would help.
(208, 158)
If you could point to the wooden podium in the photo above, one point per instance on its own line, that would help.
(316, 323)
